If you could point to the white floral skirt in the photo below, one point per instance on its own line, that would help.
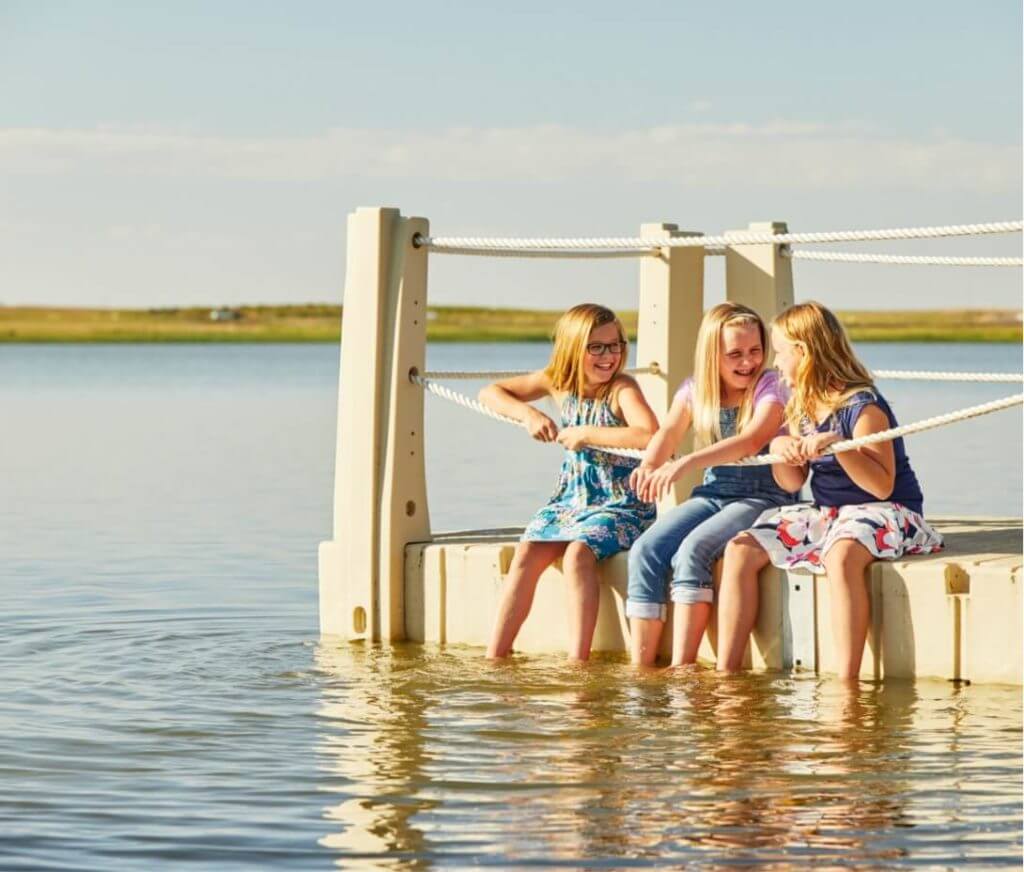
(799, 537)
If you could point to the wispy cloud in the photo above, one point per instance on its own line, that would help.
(780, 154)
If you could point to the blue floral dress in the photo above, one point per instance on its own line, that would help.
(592, 502)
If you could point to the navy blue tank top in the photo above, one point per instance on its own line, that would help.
(831, 486)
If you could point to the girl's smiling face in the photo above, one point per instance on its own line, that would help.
(600, 368)
(788, 356)
(740, 356)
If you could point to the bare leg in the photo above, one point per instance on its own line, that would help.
(689, 621)
(738, 599)
(530, 560)
(644, 636)
(580, 567)
(846, 564)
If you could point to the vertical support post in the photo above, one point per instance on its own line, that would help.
(758, 275)
(375, 399)
(670, 309)
(404, 516)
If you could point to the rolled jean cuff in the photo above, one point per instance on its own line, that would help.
(648, 611)
(691, 593)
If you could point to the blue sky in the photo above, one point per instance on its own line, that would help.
(157, 154)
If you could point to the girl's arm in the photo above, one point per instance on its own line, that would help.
(790, 476)
(640, 423)
(872, 467)
(512, 396)
(661, 446)
(764, 424)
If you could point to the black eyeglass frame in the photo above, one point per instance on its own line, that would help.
(598, 348)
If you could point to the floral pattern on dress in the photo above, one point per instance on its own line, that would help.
(592, 501)
(798, 537)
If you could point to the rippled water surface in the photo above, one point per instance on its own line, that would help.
(165, 701)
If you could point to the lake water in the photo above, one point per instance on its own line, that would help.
(165, 701)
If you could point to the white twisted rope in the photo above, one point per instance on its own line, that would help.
(926, 375)
(567, 253)
(471, 404)
(616, 245)
(893, 374)
(910, 260)
(491, 374)
(895, 432)
(758, 459)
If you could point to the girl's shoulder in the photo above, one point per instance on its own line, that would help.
(770, 388)
(856, 400)
(851, 407)
(684, 392)
(621, 382)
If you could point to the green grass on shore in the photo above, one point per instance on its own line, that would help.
(322, 323)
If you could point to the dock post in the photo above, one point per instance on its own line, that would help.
(670, 309)
(758, 275)
(379, 468)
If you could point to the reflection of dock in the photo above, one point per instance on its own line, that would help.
(385, 576)
(954, 615)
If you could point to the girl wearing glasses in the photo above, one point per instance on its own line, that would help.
(735, 407)
(592, 513)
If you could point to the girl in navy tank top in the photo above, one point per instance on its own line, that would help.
(867, 502)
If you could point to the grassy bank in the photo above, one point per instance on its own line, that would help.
(322, 323)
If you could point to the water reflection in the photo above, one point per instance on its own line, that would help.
(437, 757)
(372, 746)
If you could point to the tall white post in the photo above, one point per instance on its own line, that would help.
(758, 275)
(379, 469)
(670, 309)
(404, 516)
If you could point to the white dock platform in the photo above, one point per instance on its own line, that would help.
(954, 615)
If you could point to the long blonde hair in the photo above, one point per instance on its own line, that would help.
(707, 379)
(572, 333)
(829, 372)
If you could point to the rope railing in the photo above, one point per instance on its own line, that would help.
(895, 432)
(901, 259)
(626, 246)
(756, 460)
(475, 406)
(929, 375)
(491, 374)
(891, 374)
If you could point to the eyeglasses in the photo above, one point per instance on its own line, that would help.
(599, 348)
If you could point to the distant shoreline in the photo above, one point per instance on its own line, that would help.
(322, 323)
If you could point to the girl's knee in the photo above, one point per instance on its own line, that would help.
(532, 555)
(645, 554)
(745, 550)
(578, 558)
(694, 557)
(847, 555)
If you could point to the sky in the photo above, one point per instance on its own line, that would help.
(157, 154)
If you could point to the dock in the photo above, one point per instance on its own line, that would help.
(386, 576)
(954, 615)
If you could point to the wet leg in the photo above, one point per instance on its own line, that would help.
(846, 564)
(530, 560)
(738, 599)
(580, 568)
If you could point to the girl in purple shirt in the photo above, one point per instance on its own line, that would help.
(734, 407)
(867, 502)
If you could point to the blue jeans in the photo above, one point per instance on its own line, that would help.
(688, 540)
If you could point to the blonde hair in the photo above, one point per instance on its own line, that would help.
(706, 404)
(829, 372)
(572, 333)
